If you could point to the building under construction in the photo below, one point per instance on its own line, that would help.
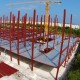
(24, 38)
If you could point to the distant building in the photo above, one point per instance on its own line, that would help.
(68, 25)
(74, 26)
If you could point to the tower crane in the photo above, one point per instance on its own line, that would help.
(47, 2)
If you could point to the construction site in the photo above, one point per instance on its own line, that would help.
(35, 51)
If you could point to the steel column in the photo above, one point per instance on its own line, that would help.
(67, 54)
(10, 35)
(41, 28)
(54, 33)
(32, 59)
(36, 26)
(18, 34)
(63, 29)
(25, 29)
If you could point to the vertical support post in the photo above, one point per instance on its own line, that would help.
(51, 28)
(67, 54)
(0, 21)
(36, 26)
(18, 34)
(29, 20)
(3, 27)
(0, 30)
(70, 30)
(56, 25)
(10, 35)
(44, 19)
(13, 27)
(7, 19)
(51, 22)
(23, 26)
(41, 28)
(54, 32)
(25, 29)
(32, 59)
(63, 29)
(44, 27)
(48, 26)
(3, 20)
(29, 30)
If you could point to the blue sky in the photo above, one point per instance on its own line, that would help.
(71, 6)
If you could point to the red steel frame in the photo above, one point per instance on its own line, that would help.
(23, 37)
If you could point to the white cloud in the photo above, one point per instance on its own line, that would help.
(27, 8)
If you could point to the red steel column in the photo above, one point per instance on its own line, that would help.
(51, 22)
(32, 59)
(63, 29)
(25, 29)
(18, 34)
(10, 35)
(54, 33)
(44, 27)
(44, 19)
(41, 28)
(13, 27)
(0, 33)
(56, 25)
(36, 26)
(51, 28)
(70, 30)
(69, 39)
(48, 26)
(29, 20)
(29, 29)
(3, 27)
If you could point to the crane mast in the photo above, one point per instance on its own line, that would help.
(46, 17)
